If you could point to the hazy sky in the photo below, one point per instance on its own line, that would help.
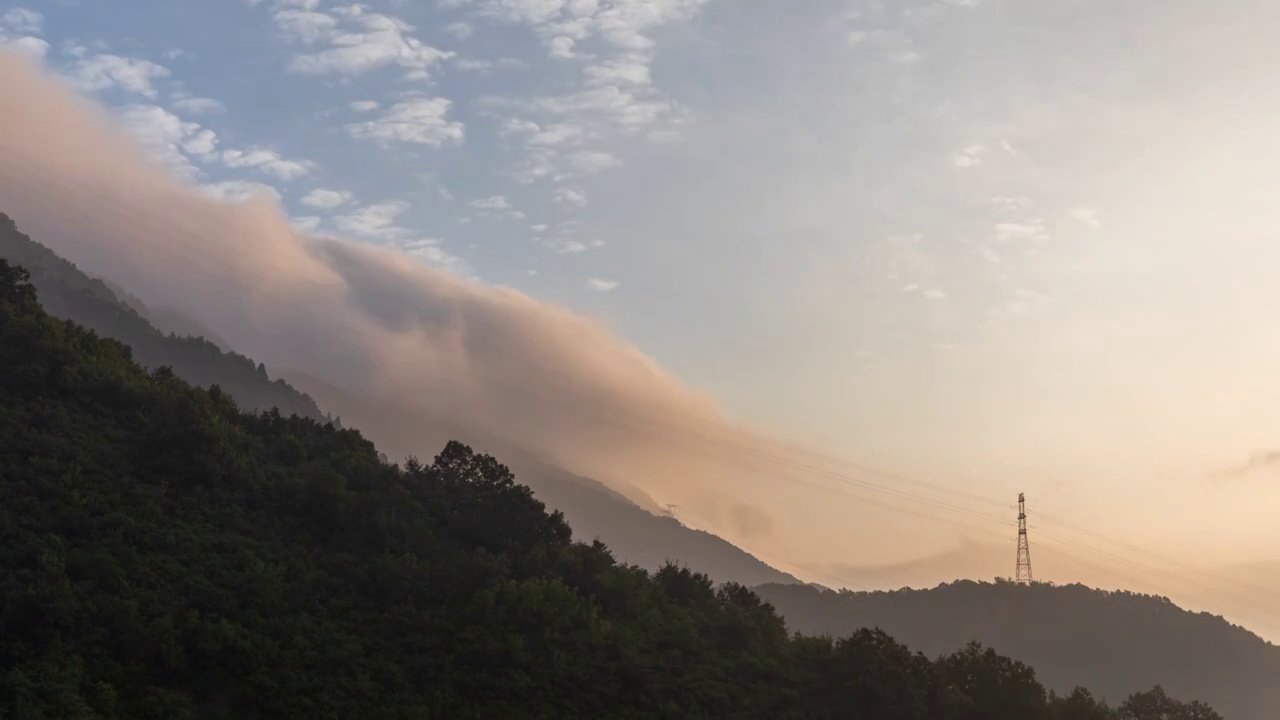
(1027, 245)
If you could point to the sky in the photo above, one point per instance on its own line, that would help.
(994, 247)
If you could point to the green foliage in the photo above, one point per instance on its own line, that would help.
(164, 555)
(70, 294)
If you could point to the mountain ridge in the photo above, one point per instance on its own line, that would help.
(1108, 641)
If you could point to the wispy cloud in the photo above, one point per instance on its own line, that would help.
(106, 71)
(600, 285)
(1259, 462)
(324, 199)
(422, 121)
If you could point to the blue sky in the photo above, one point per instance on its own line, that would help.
(1011, 245)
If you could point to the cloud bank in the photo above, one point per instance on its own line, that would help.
(408, 353)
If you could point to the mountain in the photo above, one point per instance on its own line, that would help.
(165, 555)
(70, 294)
(625, 519)
(1110, 642)
(638, 536)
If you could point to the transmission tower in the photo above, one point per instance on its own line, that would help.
(1023, 574)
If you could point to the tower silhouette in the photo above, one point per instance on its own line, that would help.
(1023, 573)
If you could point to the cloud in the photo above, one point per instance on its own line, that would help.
(105, 71)
(269, 162)
(198, 105)
(374, 221)
(326, 199)
(588, 162)
(969, 157)
(629, 70)
(33, 47)
(569, 196)
(306, 223)
(429, 250)
(408, 352)
(364, 105)
(497, 202)
(169, 139)
(1086, 215)
(422, 121)
(601, 285)
(1258, 462)
(304, 26)
(561, 47)
(1032, 230)
(16, 28)
(359, 41)
(459, 30)
(238, 191)
(22, 20)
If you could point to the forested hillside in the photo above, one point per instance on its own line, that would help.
(68, 293)
(1111, 642)
(637, 534)
(164, 555)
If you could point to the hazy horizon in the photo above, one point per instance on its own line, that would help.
(840, 338)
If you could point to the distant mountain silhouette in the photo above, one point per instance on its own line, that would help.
(1113, 643)
(68, 293)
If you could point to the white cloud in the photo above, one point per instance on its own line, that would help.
(561, 47)
(32, 47)
(1087, 215)
(569, 247)
(106, 71)
(1007, 202)
(198, 105)
(601, 285)
(364, 105)
(238, 191)
(306, 223)
(629, 70)
(304, 26)
(374, 221)
(360, 41)
(1033, 230)
(22, 20)
(168, 138)
(587, 161)
(423, 121)
(540, 227)
(459, 30)
(969, 157)
(429, 250)
(553, 134)
(269, 162)
(497, 202)
(569, 196)
(934, 294)
(326, 199)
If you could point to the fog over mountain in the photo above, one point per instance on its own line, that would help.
(428, 354)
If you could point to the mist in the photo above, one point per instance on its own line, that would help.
(408, 353)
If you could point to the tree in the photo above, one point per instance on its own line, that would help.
(1154, 704)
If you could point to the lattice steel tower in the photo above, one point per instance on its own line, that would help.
(1023, 574)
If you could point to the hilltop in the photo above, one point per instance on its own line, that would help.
(68, 293)
(1113, 643)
